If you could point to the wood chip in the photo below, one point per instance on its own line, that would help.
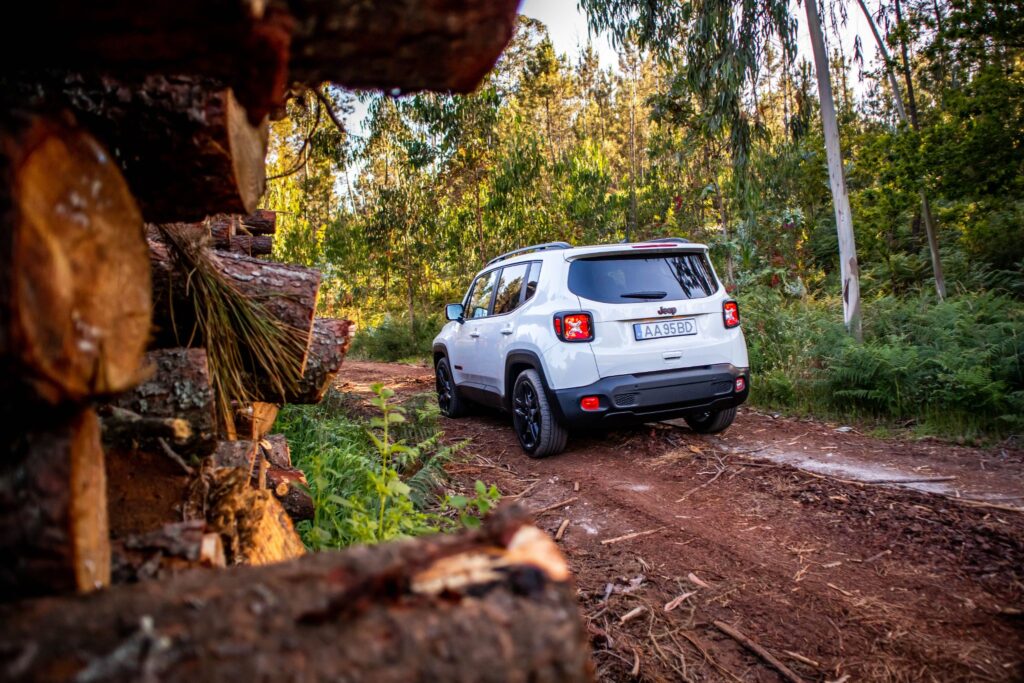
(561, 529)
(637, 534)
(575, 486)
(696, 580)
(632, 614)
(675, 602)
(800, 658)
(837, 588)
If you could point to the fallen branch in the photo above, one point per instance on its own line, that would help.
(746, 642)
(549, 508)
(561, 529)
(709, 482)
(637, 534)
(632, 614)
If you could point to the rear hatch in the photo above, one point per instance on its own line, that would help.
(656, 309)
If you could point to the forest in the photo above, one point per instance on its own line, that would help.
(709, 128)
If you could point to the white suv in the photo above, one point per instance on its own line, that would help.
(567, 337)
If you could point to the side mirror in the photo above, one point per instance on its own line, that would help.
(453, 312)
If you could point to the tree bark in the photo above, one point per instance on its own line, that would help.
(259, 48)
(330, 342)
(848, 266)
(185, 144)
(74, 277)
(261, 222)
(288, 293)
(250, 245)
(491, 606)
(179, 388)
(253, 421)
(54, 534)
(166, 552)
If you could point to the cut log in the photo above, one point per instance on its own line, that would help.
(276, 451)
(289, 486)
(186, 145)
(262, 222)
(492, 606)
(74, 274)
(179, 389)
(253, 525)
(331, 339)
(238, 41)
(253, 421)
(166, 552)
(259, 47)
(53, 510)
(251, 245)
(438, 45)
(288, 293)
(240, 454)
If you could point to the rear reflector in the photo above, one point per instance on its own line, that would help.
(590, 403)
(574, 327)
(731, 314)
(741, 384)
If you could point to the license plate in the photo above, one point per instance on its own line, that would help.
(664, 328)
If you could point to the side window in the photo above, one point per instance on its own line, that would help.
(531, 281)
(510, 288)
(480, 296)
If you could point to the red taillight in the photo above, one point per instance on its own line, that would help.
(741, 384)
(574, 327)
(590, 403)
(731, 314)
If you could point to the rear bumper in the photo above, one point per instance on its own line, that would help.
(652, 396)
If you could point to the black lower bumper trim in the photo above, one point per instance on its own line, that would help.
(653, 396)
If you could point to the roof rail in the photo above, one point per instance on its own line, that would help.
(673, 240)
(535, 247)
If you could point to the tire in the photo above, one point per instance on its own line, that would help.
(712, 422)
(535, 424)
(448, 400)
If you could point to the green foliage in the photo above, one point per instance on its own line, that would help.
(707, 128)
(377, 480)
(394, 339)
(954, 368)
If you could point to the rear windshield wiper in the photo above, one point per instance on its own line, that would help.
(644, 295)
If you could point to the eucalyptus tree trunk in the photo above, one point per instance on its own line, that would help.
(849, 269)
(926, 209)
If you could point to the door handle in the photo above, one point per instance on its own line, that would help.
(507, 330)
(474, 334)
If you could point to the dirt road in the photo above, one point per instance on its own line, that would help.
(684, 545)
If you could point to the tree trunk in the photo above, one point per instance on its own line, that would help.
(288, 293)
(74, 277)
(331, 338)
(54, 534)
(185, 144)
(492, 606)
(848, 266)
(926, 209)
(179, 388)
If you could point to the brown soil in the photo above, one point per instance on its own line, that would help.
(838, 579)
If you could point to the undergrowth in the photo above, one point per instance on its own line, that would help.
(394, 339)
(954, 368)
(378, 479)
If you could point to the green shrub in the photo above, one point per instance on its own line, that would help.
(955, 367)
(394, 339)
(377, 480)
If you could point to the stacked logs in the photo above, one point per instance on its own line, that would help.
(125, 128)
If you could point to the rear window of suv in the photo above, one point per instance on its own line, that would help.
(635, 278)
